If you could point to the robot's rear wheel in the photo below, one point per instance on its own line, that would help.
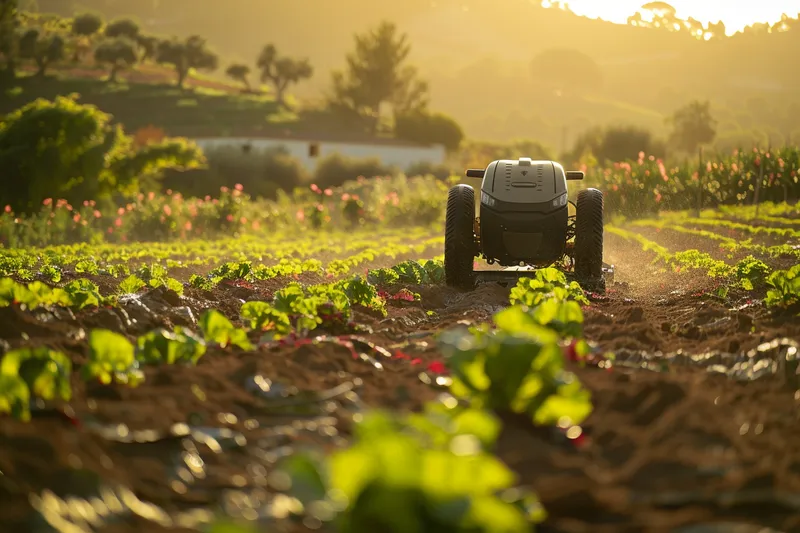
(589, 239)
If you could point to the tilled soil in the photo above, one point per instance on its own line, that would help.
(677, 438)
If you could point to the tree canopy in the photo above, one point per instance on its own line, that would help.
(192, 53)
(692, 126)
(378, 73)
(281, 72)
(118, 53)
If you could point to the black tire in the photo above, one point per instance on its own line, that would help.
(459, 238)
(589, 239)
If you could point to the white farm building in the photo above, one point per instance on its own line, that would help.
(310, 151)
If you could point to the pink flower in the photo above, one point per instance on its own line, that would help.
(167, 210)
(151, 195)
(239, 187)
(300, 216)
(328, 192)
(169, 192)
(8, 209)
(97, 214)
(188, 226)
(76, 217)
(121, 211)
(47, 201)
(118, 222)
(224, 189)
(229, 218)
(243, 220)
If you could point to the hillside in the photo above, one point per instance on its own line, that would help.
(476, 55)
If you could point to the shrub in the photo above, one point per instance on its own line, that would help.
(441, 171)
(69, 150)
(262, 173)
(335, 169)
(429, 128)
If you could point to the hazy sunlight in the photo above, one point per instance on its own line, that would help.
(735, 15)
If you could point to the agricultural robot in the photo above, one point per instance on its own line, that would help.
(523, 223)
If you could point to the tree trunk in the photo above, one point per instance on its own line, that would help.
(112, 76)
(42, 64)
(182, 73)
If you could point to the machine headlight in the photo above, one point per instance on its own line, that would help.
(487, 200)
(560, 201)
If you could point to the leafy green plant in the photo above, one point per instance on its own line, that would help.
(752, 272)
(262, 316)
(517, 367)
(170, 347)
(218, 329)
(42, 371)
(131, 285)
(111, 358)
(52, 273)
(383, 277)
(199, 282)
(546, 284)
(425, 472)
(784, 288)
(87, 266)
(83, 293)
(155, 275)
(360, 291)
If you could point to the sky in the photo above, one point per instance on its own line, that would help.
(736, 14)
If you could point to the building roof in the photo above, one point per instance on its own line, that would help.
(275, 133)
(341, 139)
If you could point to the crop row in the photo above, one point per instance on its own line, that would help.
(279, 255)
(518, 364)
(730, 244)
(783, 286)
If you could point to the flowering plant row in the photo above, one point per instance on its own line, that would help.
(648, 185)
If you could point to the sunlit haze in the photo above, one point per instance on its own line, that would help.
(735, 15)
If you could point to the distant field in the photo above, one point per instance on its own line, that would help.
(147, 96)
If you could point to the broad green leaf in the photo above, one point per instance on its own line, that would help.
(131, 285)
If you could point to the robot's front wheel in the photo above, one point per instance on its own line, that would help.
(459, 239)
